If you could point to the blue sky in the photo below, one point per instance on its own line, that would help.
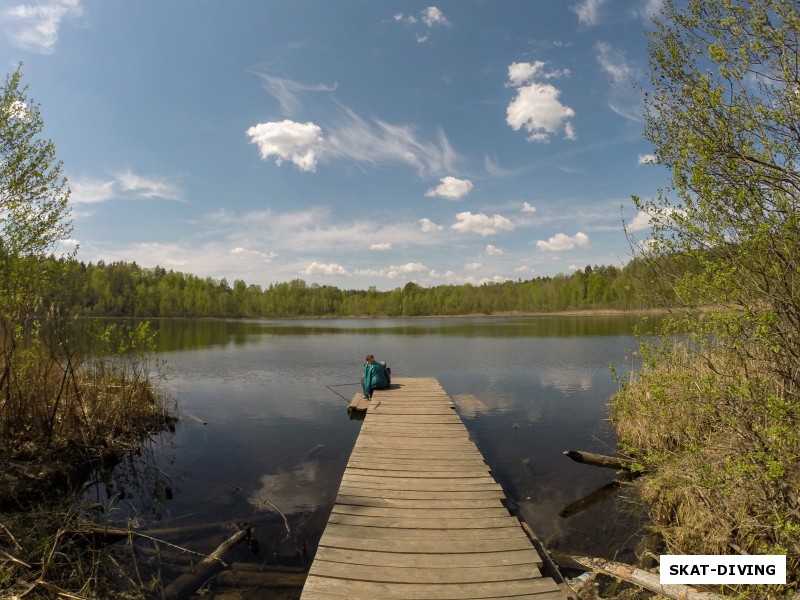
(352, 143)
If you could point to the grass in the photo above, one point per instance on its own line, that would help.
(720, 446)
(65, 412)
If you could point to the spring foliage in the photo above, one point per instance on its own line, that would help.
(719, 414)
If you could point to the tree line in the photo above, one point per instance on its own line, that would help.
(125, 289)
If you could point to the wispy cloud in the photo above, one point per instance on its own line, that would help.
(125, 184)
(35, 26)
(373, 143)
(537, 107)
(623, 99)
(287, 91)
(588, 11)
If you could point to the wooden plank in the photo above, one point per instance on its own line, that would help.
(432, 561)
(425, 575)
(418, 513)
(379, 501)
(537, 588)
(483, 547)
(474, 536)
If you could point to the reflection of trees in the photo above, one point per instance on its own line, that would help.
(134, 490)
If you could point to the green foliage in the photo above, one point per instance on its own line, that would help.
(33, 204)
(716, 417)
(122, 289)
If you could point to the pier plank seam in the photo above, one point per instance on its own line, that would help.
(419, 514)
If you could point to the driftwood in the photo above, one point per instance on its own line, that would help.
(645, 579)
(548, 562)
(190, 582)
(599, 460)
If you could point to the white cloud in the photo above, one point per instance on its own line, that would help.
(493, 250)
(288, 140)
(381, 246)
(640, 222)
(481, 224)
(381, 143)
(528, 208)
(403, 18)
(428, 226)
(433, 16)
(648, 159)
(649, 9)
(562, 241)
(126, 184)
(316, 269)
(147, 187)
(35, 26)
(473, 266)
(450, 187)
(257, 254)
(537, 107)
(588, 11)
(286, 91)
(623, 99)
(395, 271)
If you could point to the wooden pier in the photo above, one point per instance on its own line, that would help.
(419, 515)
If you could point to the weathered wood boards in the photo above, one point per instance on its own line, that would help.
(419, 515)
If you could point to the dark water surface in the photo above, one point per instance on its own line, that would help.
(264, 433)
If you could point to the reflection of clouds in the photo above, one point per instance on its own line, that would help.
(470, 405)
(299, 489)
(565, 380)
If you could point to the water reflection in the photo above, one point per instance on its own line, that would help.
(265, 436)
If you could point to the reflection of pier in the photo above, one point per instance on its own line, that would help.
(419, 514)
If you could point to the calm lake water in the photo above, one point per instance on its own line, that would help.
(264, 432)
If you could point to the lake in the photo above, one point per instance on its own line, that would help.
(264, 434)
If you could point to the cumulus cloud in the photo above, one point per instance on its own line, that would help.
(528, 208)
(648, 159)
(493, 250)
(451, 187)
(316, 269)
(35, 26)
(124, 184)
(473, 266)
(537, 107)
(640, 222)
(561, 241)
(428, 226)
(588, 11)
(481, 224)
(288, 140)
(381, 246)
(395, 271)
(431, 17)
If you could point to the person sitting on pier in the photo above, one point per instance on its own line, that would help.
(376, 376)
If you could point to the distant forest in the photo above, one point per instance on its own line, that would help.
(122, 289)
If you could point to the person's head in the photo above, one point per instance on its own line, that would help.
(370, 359)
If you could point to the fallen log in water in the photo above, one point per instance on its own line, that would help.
(645, 579)
(191, 582)
(599, 460)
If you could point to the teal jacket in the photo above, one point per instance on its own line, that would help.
(374, 377)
